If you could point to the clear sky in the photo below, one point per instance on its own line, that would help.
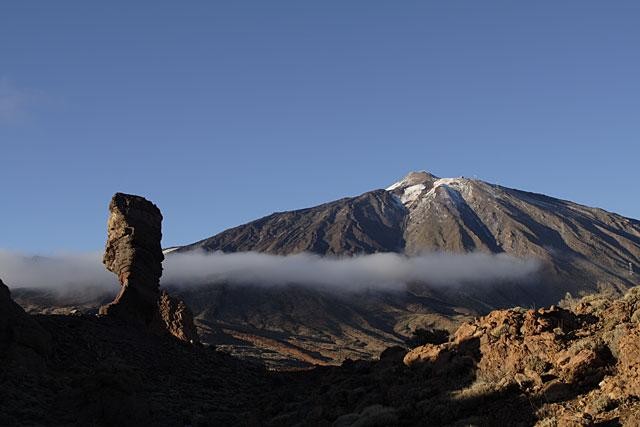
(224, 111)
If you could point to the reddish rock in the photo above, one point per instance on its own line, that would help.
(627, 381)
(134, 253)
(574, 367)
(465, 332)
(428, 354)
(177, 318)
(629, 362)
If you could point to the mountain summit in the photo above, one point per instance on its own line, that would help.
(579, 246)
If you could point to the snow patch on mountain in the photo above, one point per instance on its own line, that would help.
(409, 191)
(412, 193)
(394, 186)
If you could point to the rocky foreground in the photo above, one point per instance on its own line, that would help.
(139, 362)
(578, 365)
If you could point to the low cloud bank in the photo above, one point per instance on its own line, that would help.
(72, 272)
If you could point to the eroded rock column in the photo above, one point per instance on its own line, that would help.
(133, 252)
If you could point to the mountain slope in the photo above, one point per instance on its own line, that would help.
(580, 246)
(368, 223)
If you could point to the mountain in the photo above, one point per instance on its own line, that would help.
(425, 213)
(581, 249)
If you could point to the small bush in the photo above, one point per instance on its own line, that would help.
(498, 331)
(536, 364)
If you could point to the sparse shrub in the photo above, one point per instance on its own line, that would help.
(422, 336)
(632, 295)
(536, 364)
(596, 303)
(586, 344)
(603, 403)
(550, 421)
(567, 302)
(498, 331)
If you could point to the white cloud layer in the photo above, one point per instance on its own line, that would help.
(72, 272)
(60, 272)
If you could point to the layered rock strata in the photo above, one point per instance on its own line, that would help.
(133, 252)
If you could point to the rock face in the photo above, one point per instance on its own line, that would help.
(177, 317)
(520, 344)
(134, 253)
(21, 337)
(557, 353)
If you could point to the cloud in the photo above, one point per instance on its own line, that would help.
(382, 270)
(15, 102)
(377, 271)
(61, 272)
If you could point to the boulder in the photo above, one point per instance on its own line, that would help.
(432, 354)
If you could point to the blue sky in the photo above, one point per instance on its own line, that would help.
(225, 111)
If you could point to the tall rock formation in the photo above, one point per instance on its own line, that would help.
(134, 253)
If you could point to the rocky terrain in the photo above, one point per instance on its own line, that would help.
(572, 366)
